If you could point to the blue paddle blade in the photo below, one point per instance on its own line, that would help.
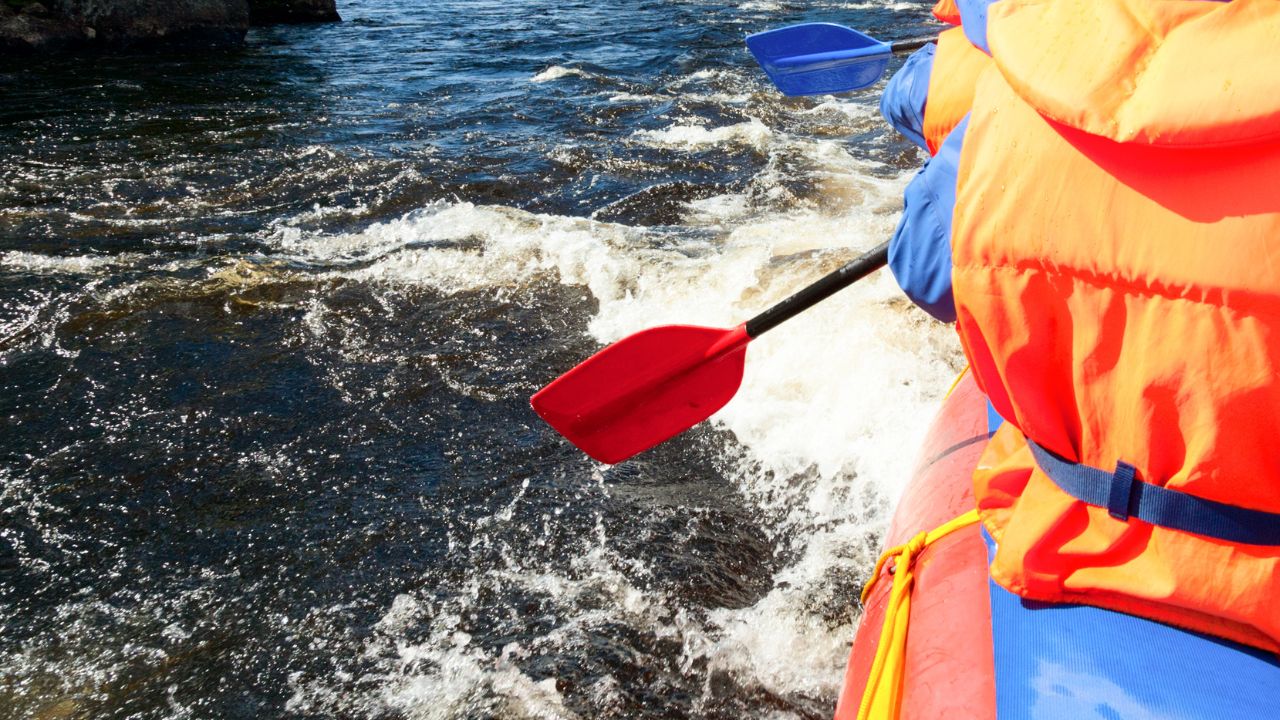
(819, 58)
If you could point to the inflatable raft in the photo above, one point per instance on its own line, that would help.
(938, 639)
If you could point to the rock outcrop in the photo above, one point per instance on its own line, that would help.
(30, 27)
(186, 22)
(38, 26)
(265, 12)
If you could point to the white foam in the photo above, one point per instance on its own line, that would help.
(555, 72)
(717, 210)
(468, 679)
(721, 98)
(693, 137)
(878, 5)
(717, 86)
(852, 110)
(707, 74)
(37, 263)
(625, 97)
(429, 247)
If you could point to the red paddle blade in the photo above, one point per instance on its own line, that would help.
(644, 389)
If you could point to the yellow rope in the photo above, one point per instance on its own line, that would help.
(883, 697)
(956, 382)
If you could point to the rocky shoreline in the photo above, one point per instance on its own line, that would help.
(44, 26)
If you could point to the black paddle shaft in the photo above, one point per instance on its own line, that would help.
(911, 44)
(850, 273)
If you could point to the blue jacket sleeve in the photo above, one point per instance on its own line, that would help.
(903, 100)
(920, 251)
(973, 18)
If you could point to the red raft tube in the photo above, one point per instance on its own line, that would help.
(938, 639)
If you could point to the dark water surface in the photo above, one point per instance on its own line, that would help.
(269, 321)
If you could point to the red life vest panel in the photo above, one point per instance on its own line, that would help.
(1116, 241)
(947, 12)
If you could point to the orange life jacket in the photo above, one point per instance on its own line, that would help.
(956, 67)
(1116, 242)
(947, 12)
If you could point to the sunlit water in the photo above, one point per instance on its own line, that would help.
(269, 322)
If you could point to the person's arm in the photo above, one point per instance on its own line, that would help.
(973, 18)
(903, 101)
(920, 251)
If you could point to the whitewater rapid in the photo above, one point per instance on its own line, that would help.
(269, 324)
(825, 426)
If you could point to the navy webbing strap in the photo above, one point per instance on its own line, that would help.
(1124, 496)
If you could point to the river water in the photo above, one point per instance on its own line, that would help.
(269, 322)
